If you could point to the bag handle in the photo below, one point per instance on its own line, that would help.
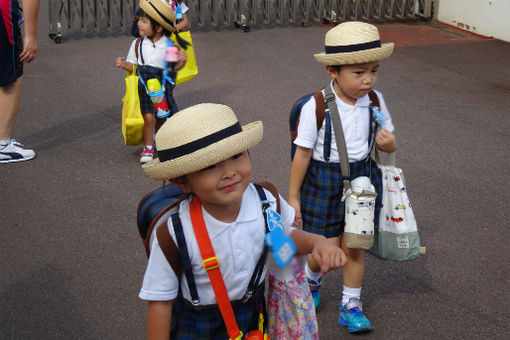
(212, 265)
(339, 136)
(391, 157)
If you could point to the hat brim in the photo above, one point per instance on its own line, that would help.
(144, 5)
(210, 155)
(358, 57)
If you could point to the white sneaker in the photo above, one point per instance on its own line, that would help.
(146, 156)
(14, 152)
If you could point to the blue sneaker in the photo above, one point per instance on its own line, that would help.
(315, 290)
(351, 316)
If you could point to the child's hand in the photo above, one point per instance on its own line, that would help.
(297, 207)
(386, 141)
(183, 58)
(328, 256)
(121, 62)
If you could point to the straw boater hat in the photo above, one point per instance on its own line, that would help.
(161, 12)
(353, 42)
(198, 137)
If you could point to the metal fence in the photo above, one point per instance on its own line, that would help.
(89, 16)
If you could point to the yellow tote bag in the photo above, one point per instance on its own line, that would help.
(132, 120)
(190, 69)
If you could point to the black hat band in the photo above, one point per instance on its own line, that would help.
(186, 149)
(353, 48)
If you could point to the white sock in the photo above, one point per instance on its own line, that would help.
(148, 147)
(349, 293)
(315, 276)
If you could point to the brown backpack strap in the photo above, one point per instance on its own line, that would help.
(137, 46)
(320, 108)
(320, 113)
(374, 98)
(272, 189)
(169, 248)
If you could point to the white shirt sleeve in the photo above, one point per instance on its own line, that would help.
(131, 57)
(307, 129)
(159, 282)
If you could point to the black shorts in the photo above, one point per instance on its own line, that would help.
(11, 44)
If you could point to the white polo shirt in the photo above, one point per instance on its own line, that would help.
(355, 125)
(153, 54)
(238, 246)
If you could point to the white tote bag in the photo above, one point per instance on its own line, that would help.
(397, 237)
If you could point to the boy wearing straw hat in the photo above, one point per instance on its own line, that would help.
(204, 151)
(352, 54)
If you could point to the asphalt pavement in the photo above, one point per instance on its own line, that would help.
(71, 260)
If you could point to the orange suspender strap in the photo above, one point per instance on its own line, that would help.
(212, 265)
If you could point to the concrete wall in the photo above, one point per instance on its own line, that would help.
(489, 18)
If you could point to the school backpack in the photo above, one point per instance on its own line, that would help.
(157, 206)
(320, 113)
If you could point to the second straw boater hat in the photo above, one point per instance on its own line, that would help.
(161, 12)
(198, 137)
(353, 42)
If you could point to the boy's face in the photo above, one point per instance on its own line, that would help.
(354, 81)
(220, 187)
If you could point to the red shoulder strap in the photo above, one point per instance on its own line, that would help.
(212, 265)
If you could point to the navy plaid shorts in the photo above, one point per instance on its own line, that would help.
(321, 207)
(146, 105)
(206, 322)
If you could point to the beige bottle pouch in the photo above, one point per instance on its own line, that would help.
(359, 213)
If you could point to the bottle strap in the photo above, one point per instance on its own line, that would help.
(212, 265)
(339, 136)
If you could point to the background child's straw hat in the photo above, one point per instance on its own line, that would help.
(161, 12)
(353, 42)
(198, 137)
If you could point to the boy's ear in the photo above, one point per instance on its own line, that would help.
(181, 183)
(332, 71)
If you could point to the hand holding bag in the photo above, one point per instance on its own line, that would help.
(397, 237)
(190, 69)
(132, 120)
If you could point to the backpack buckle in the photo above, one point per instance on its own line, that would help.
(211, 263)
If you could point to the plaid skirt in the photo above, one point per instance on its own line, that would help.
(206, 322)
(146, 105)
(321, 207)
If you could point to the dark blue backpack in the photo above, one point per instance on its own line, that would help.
(162, 201)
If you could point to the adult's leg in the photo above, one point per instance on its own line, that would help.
(9, 107)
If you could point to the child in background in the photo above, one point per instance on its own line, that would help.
(204, 151)
(156, 23)
(179, 9)
(353, 51)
